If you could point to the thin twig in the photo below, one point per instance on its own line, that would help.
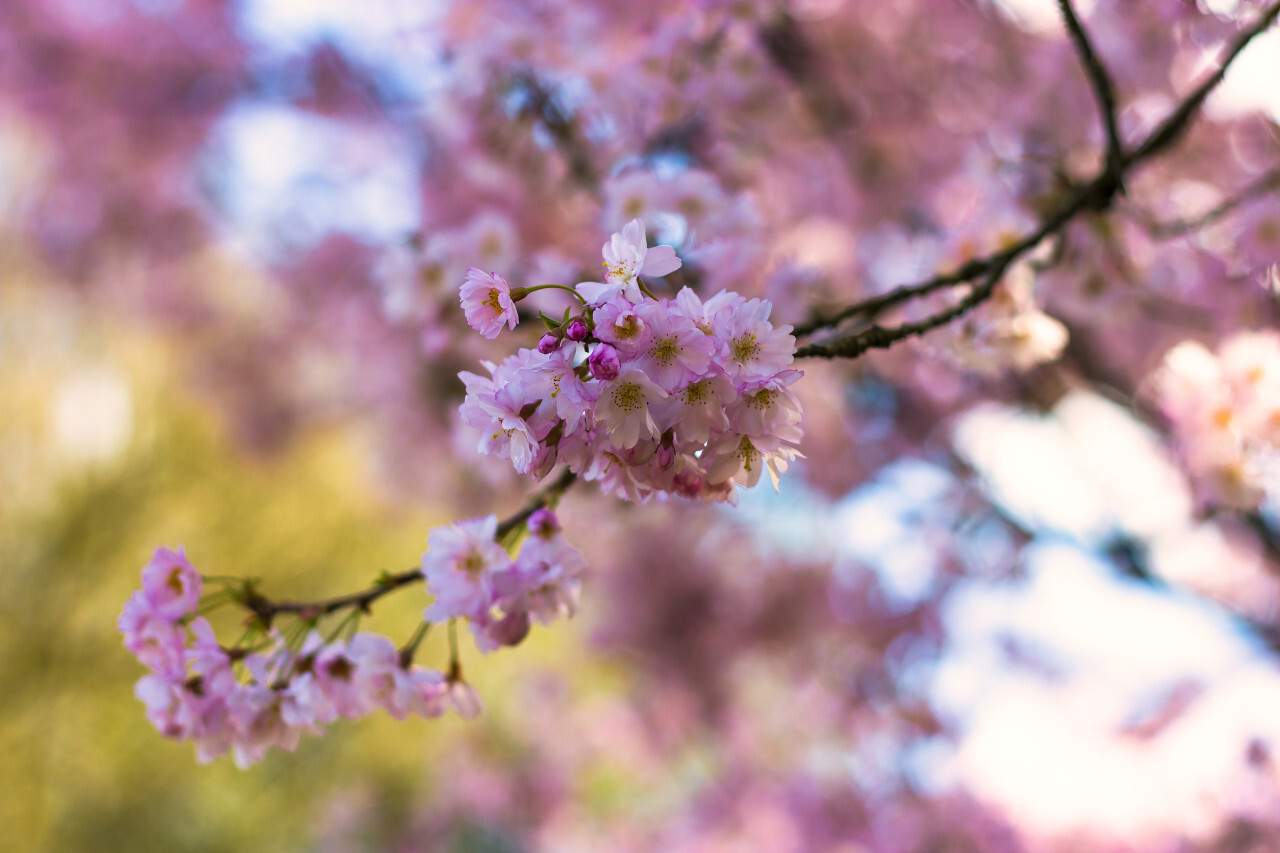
(1261, 185)
(547, 496)
(266, 609)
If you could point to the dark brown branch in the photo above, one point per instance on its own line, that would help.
(1268, 536)
(265, 609)
(883, 337)
(879, 304)
(1103, 89)
(545, 497)
(1096, 195)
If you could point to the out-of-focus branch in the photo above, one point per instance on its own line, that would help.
(796, 58)
(265, 609)
(1177, 121)
(1260, 186)
(1096, 195)
(564, 131)
(1103, 89)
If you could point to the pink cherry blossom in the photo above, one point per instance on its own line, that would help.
(623, 407)
(486, 301)
(171, 584)
(627, 256)
(459, 566)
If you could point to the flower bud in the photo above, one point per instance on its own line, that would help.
(604, 362)
(666, 456)
(543, 461)
(548, 344)
(576, 330)
(511, 629)
(543, 523)
(688, 484)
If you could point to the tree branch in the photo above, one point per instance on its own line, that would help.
(795, 57)
(1096, 195)
(883, 337)
(1261, 185)
(547, 496)
(265, 609)
(564, 131)
(1177, 122)
(1103, 89)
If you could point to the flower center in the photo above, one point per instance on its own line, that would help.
(698, 392)
(340, 669)
(761, 400)
(744, 347)
(629, 397)
(491, 245)
(473, 563)
(492, 301)
(664, 350)
(620, 270)
(626, 327)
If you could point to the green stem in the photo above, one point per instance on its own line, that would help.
(212, 601)
(525, 291)
(411, 648)
(346, 620)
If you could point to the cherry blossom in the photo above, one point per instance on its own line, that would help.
(486, 299)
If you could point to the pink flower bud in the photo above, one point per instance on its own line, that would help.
(604, 362)
(543, 523)
(687, 484)
(511, 629)
(543, 461)
(666, 456)
(548, 344)
(576, 331)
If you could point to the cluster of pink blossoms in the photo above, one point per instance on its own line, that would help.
(473, 577)
(1225, 411)
(251, 700)
(648, 396)
(1007, 332)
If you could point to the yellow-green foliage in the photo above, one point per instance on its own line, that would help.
(80, 767)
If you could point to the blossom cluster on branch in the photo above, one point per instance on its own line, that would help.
(651, 397)
(273, 685)
(669, 379)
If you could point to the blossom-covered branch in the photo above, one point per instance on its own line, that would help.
(652, 398)
(265, 609)
(1096, 194)
(271, 685)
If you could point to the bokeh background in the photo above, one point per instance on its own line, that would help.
(1003, 625)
